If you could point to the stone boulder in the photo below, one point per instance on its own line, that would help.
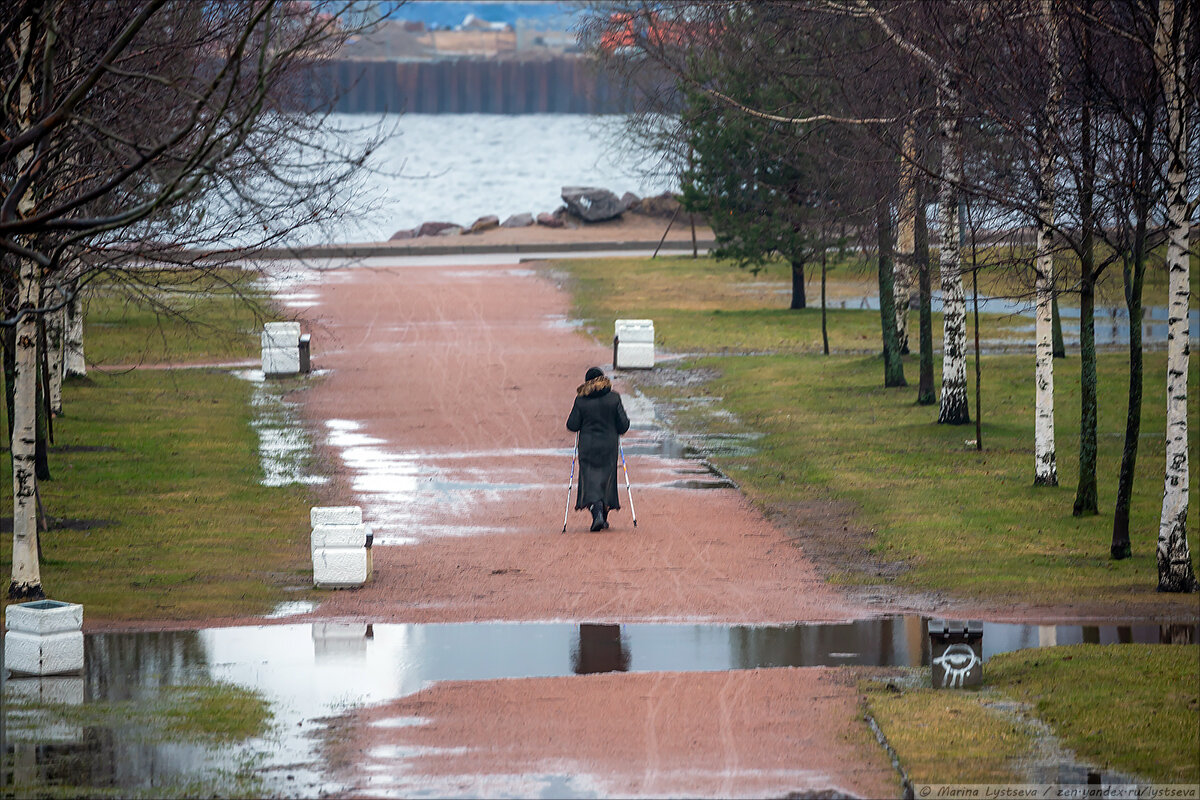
(549, 220)
(591, 204)
(661, 205)
(435, 228)
(631, 201)
(405, 234)
(523, 220)
(453, 230)
(482, 224)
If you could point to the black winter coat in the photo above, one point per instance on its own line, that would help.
(599, 418)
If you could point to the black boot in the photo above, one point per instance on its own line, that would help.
(597, 516)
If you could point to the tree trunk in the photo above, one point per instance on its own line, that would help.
(10, 374)
(905, 237)
(824, 325)
(54, 357)
(1045, 466)
(893, 364)
(73, 363)
(925, 391)
(1134, 274)
(1060, 348)
(1086, 500)
(1175, 573)
(41, 459)
(798, 299)
(954, 409)
(26, 576)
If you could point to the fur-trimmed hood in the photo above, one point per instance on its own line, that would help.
(596, 387)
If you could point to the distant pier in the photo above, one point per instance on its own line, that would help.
(558, 85)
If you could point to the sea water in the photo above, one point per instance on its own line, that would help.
(459, 167)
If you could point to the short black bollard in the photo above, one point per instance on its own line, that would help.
(305, 364)
(956, 653)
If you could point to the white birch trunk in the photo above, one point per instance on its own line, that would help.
(74, 364)
(1175, 572)
(26, 574)
(1045, 470)
(954, 409)
(903, 274)
(54, 356)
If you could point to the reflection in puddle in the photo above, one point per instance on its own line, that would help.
(310, 671)
(284, 449)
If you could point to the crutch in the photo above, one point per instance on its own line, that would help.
(567, 510)
(627, 489)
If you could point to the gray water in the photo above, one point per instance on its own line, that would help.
(459, 167)
(311, 670)
(1111, 322)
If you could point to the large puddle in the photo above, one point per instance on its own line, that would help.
(313, 670)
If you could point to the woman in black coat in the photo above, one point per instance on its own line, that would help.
(599, 419)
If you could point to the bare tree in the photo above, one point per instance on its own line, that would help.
(134, 133)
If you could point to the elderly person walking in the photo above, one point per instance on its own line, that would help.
(599, 418)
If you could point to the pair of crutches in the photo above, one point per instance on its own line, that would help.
(571, 480)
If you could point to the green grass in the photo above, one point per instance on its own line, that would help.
(160, 469)
(949, 736)
(174, 317)
(1126, 708)
(1131, 708)
(962, 522)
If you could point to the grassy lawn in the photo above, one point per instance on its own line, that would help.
(159, 473)
(1127, 708)
(175, 318)
(961, 522)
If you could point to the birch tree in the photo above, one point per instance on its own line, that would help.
(135, 132)
(1175, 573)
(1045, 471)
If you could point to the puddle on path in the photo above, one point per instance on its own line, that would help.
(312, 670)
(1111, 322)
(284, 448)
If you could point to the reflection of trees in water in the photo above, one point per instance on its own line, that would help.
(123, 666)
(117, 668)
(599, 648)
(885, 641)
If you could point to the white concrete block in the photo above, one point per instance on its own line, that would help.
(635, 330)
(46, 654)
(335, 515)
(339, 567)
(43, 617)
(281, 361)
(635, 355)
(339, 536)
(285, 334)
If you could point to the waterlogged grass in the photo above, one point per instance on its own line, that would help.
(1130, 708)
(173, 316)
(161, 470)
(960, 521)
(212, 716)
(949, 736)
(159, 476)
(966, 522)
(214, 713)
(1125, 708)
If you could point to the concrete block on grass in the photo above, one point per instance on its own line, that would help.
(633, 344)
